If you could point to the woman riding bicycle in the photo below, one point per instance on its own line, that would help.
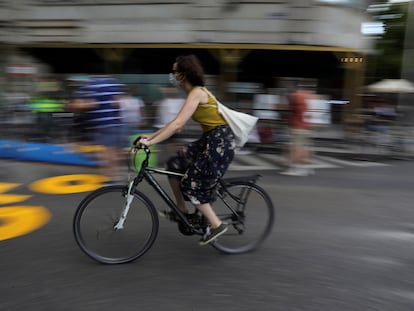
(205, 160)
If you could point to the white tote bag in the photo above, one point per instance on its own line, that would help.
(240, 123)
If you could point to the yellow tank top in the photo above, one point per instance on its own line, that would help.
(207, 114)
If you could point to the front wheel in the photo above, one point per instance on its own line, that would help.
(249, 213)
(97, 231)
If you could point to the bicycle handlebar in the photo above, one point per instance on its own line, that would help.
(135, 147)
(134, 143)
(140, 146)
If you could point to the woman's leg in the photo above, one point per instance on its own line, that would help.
(180, 163)
(209, 213)
(210, 165)
(217, 227)
(175, 186)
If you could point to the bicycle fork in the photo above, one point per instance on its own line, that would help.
(129, 197)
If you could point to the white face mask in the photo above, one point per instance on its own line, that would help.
(173, 80)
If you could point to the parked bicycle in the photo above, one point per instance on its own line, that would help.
(119, 223)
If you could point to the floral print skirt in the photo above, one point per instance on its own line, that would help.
(203, 163)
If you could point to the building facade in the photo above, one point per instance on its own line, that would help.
(257, 41)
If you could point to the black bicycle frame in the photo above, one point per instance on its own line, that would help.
(146, 174)
(152, 181)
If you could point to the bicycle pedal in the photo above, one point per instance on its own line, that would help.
(193, 218)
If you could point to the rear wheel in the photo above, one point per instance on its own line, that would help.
(95, 220)
(249, 213)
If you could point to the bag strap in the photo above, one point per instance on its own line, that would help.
(210, 94)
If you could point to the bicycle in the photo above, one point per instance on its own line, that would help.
(118, 223)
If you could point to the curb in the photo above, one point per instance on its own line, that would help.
(338, 151)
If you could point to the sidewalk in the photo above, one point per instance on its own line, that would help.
(332, 141)
(326, 141)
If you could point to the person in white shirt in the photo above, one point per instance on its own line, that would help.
(131, 113)
(169, 106)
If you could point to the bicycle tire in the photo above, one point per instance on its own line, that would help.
(94, 220)
(255, 218)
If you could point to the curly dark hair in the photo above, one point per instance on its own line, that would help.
(190, 66)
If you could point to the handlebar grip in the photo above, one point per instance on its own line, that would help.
(135, 141)
(141, 146)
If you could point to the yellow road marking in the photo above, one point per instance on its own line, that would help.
(68, 184)
(90, 148)
(20, 220)
(11, 198)
(7, 186)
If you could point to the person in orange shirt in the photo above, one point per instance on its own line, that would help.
(299, 133)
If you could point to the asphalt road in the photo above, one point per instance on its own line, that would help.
(343, 240)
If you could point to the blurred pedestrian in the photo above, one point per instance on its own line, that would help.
(299, 133)
(79, 132)
(265, 108)
(45, 105)
(380, 116)
(132, 110)
(169, 106)
(100, 98)
(206, 160)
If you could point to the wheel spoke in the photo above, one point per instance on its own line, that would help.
(97, 216)
(249, 212)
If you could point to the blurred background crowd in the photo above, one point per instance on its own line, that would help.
(254, 53)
